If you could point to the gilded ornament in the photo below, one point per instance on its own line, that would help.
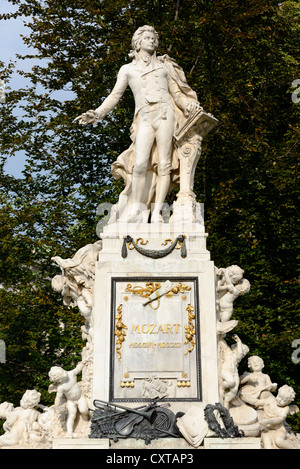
(180, 288)
(190, 329)
(119, 331)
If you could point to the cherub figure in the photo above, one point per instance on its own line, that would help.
(77, 278)
(256, 384)
(66, 386)
(230, 357)
(21, 420)
(276, 409)
(154, 387)
(231, 284)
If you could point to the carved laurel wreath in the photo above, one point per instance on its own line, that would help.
(154, 254)
(230, 430)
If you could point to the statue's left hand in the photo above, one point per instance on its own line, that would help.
(193, 106)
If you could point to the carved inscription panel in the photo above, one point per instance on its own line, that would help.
(155, 349)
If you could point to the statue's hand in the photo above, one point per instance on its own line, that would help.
(89, 117)
(193, 106)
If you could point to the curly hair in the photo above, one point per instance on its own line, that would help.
(288, 391)
(136, 38)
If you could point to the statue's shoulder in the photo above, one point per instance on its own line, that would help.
(124, 68)
(168, 61)
(165, 58)
(174, 70)
(127, 69)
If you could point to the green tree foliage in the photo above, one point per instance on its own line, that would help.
(241, 59)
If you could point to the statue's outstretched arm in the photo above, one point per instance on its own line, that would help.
(93, 116)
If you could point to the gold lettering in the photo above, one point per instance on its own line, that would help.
(155, 329)
(162, 345)
(147, 328)
(142, 345)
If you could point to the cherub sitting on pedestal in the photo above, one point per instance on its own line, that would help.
(66, 386)
(276, 409)
(21, 420)
(256, 385)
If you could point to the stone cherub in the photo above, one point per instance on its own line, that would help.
(256, 384)
(77, 278)
(231, 284)
(274, 433)
(66, 387)
(154, 387)
(229, 358)
(20, 421)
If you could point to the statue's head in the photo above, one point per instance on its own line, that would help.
(5, 409)
(138, 36)
(57, 283)
(235, 273)
(30, 399)
(57, 374)
(255, 363)
(285, 396)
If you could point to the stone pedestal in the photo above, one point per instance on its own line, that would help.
(159, 444)
(168, 347)
(232, 443)
(80, 443)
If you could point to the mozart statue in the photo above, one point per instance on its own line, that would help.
(163, 101)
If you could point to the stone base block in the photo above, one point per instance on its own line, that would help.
(232, 443)
(80, 443)
(160, 443)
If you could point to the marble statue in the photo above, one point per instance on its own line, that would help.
(256, 384)
(253, 385)
(230, 285)
(229, 359)
(274, 434)
(164, 106)
(65, 384)
(76, 285)
(77, 276)
(20, 421)
(154, 387)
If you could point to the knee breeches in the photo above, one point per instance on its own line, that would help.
(155, 124)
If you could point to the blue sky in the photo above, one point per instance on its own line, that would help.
(11, 43)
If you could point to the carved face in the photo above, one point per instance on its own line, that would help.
(285, 396)
(57, 283)
(5, 409)
(57, 374)
(235, 274)
(148, 42)
(30, 399)
(255, 363)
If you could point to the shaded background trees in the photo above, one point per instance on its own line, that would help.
(241, 59)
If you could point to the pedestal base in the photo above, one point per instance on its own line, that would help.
(80, 443)
(232, 443)
(160, 443)
(164, 348)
